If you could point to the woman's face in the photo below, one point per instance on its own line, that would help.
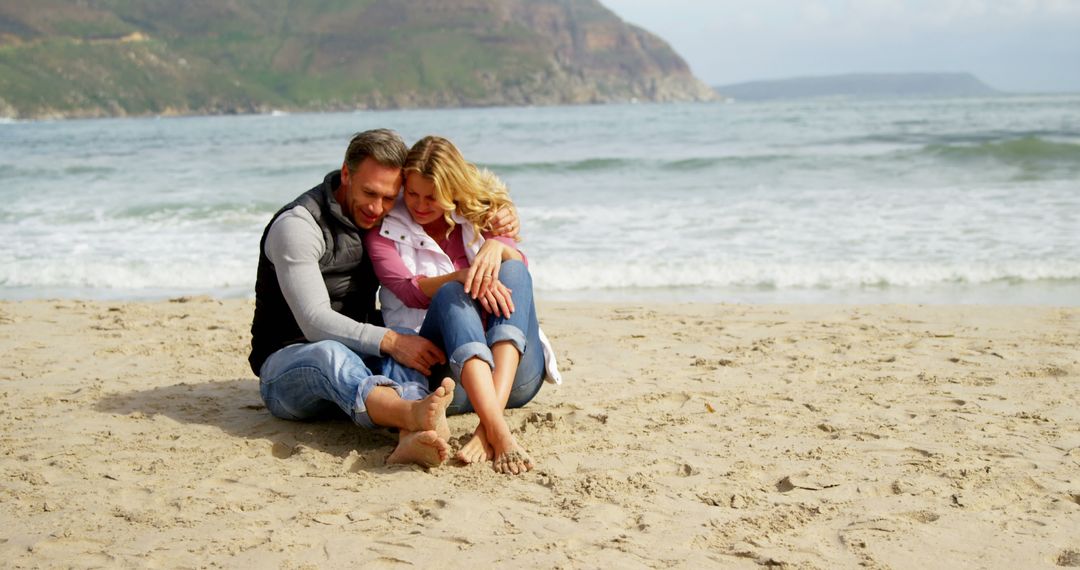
(420, 199)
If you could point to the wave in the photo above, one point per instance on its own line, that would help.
(705, 163)
(193, 275)
(80, 170)
(13, 171)
(1030, 151)
(235, 273)
(600, 165)
(585, 165)
(253, 212)
(925, 138)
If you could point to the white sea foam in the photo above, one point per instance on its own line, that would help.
(223, 274)
(551, 276)
(566, 275)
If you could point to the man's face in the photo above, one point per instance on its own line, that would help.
(368, 192)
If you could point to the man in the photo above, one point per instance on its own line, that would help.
(316, 340)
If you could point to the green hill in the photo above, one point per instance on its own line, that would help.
(69, 58)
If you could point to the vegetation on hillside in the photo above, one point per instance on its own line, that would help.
(120, 57)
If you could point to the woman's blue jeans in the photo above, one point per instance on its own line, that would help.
(455, 323)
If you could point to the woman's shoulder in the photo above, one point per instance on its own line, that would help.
(398, 221)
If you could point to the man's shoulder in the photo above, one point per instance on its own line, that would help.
(293, 231)
(298, 215)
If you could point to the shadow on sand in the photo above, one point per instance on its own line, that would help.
(236, 408)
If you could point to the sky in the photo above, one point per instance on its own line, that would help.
(1012, 45)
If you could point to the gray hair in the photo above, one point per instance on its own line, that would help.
(383, 145)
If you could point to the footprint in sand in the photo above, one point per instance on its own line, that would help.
(282, 450)
(1069, 558)
(923, 516)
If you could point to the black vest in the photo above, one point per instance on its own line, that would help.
(347, 271)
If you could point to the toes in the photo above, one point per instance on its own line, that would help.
(512, 463)
(445, 390)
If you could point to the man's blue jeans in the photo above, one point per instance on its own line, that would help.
(313, 381)
(454, 323)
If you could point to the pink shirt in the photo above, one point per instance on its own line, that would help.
(393, 274)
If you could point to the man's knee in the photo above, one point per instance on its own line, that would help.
(329, 350)
(333, 359)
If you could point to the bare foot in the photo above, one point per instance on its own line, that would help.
(441, 426)
(510, 458)
(478, 448)
(423, 448)
(430, 413)
(515, 461)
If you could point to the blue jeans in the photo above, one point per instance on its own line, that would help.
(454, 323)
(313, 381)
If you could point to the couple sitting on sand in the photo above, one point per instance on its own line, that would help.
(454, 285)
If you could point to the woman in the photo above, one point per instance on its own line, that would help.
(433, 245)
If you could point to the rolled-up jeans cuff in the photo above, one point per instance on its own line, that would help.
(469, 350)
(360, 414)
(500, 333)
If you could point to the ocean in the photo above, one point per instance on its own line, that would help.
(824, 201)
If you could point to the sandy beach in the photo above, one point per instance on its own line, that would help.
(735, 436)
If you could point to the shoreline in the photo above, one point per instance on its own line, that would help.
(694, 433)
(1051, 293)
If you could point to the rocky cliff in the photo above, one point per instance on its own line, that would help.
(71, 58)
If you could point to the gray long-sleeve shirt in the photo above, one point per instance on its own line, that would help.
(294, 244)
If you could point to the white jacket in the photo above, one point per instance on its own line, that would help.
(422, 256)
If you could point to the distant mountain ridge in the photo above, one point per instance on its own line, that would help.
(862, 85)
(85, 58)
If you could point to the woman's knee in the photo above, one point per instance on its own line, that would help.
(523, 393)
(449, 291)
(514, 270)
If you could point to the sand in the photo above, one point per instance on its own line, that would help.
(132, 435)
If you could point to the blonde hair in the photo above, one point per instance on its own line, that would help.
(460, 186)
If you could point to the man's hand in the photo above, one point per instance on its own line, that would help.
(412, 350)
(504, 222)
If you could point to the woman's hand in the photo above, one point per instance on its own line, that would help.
(484, 271)
(497, 300)
(504, 222)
